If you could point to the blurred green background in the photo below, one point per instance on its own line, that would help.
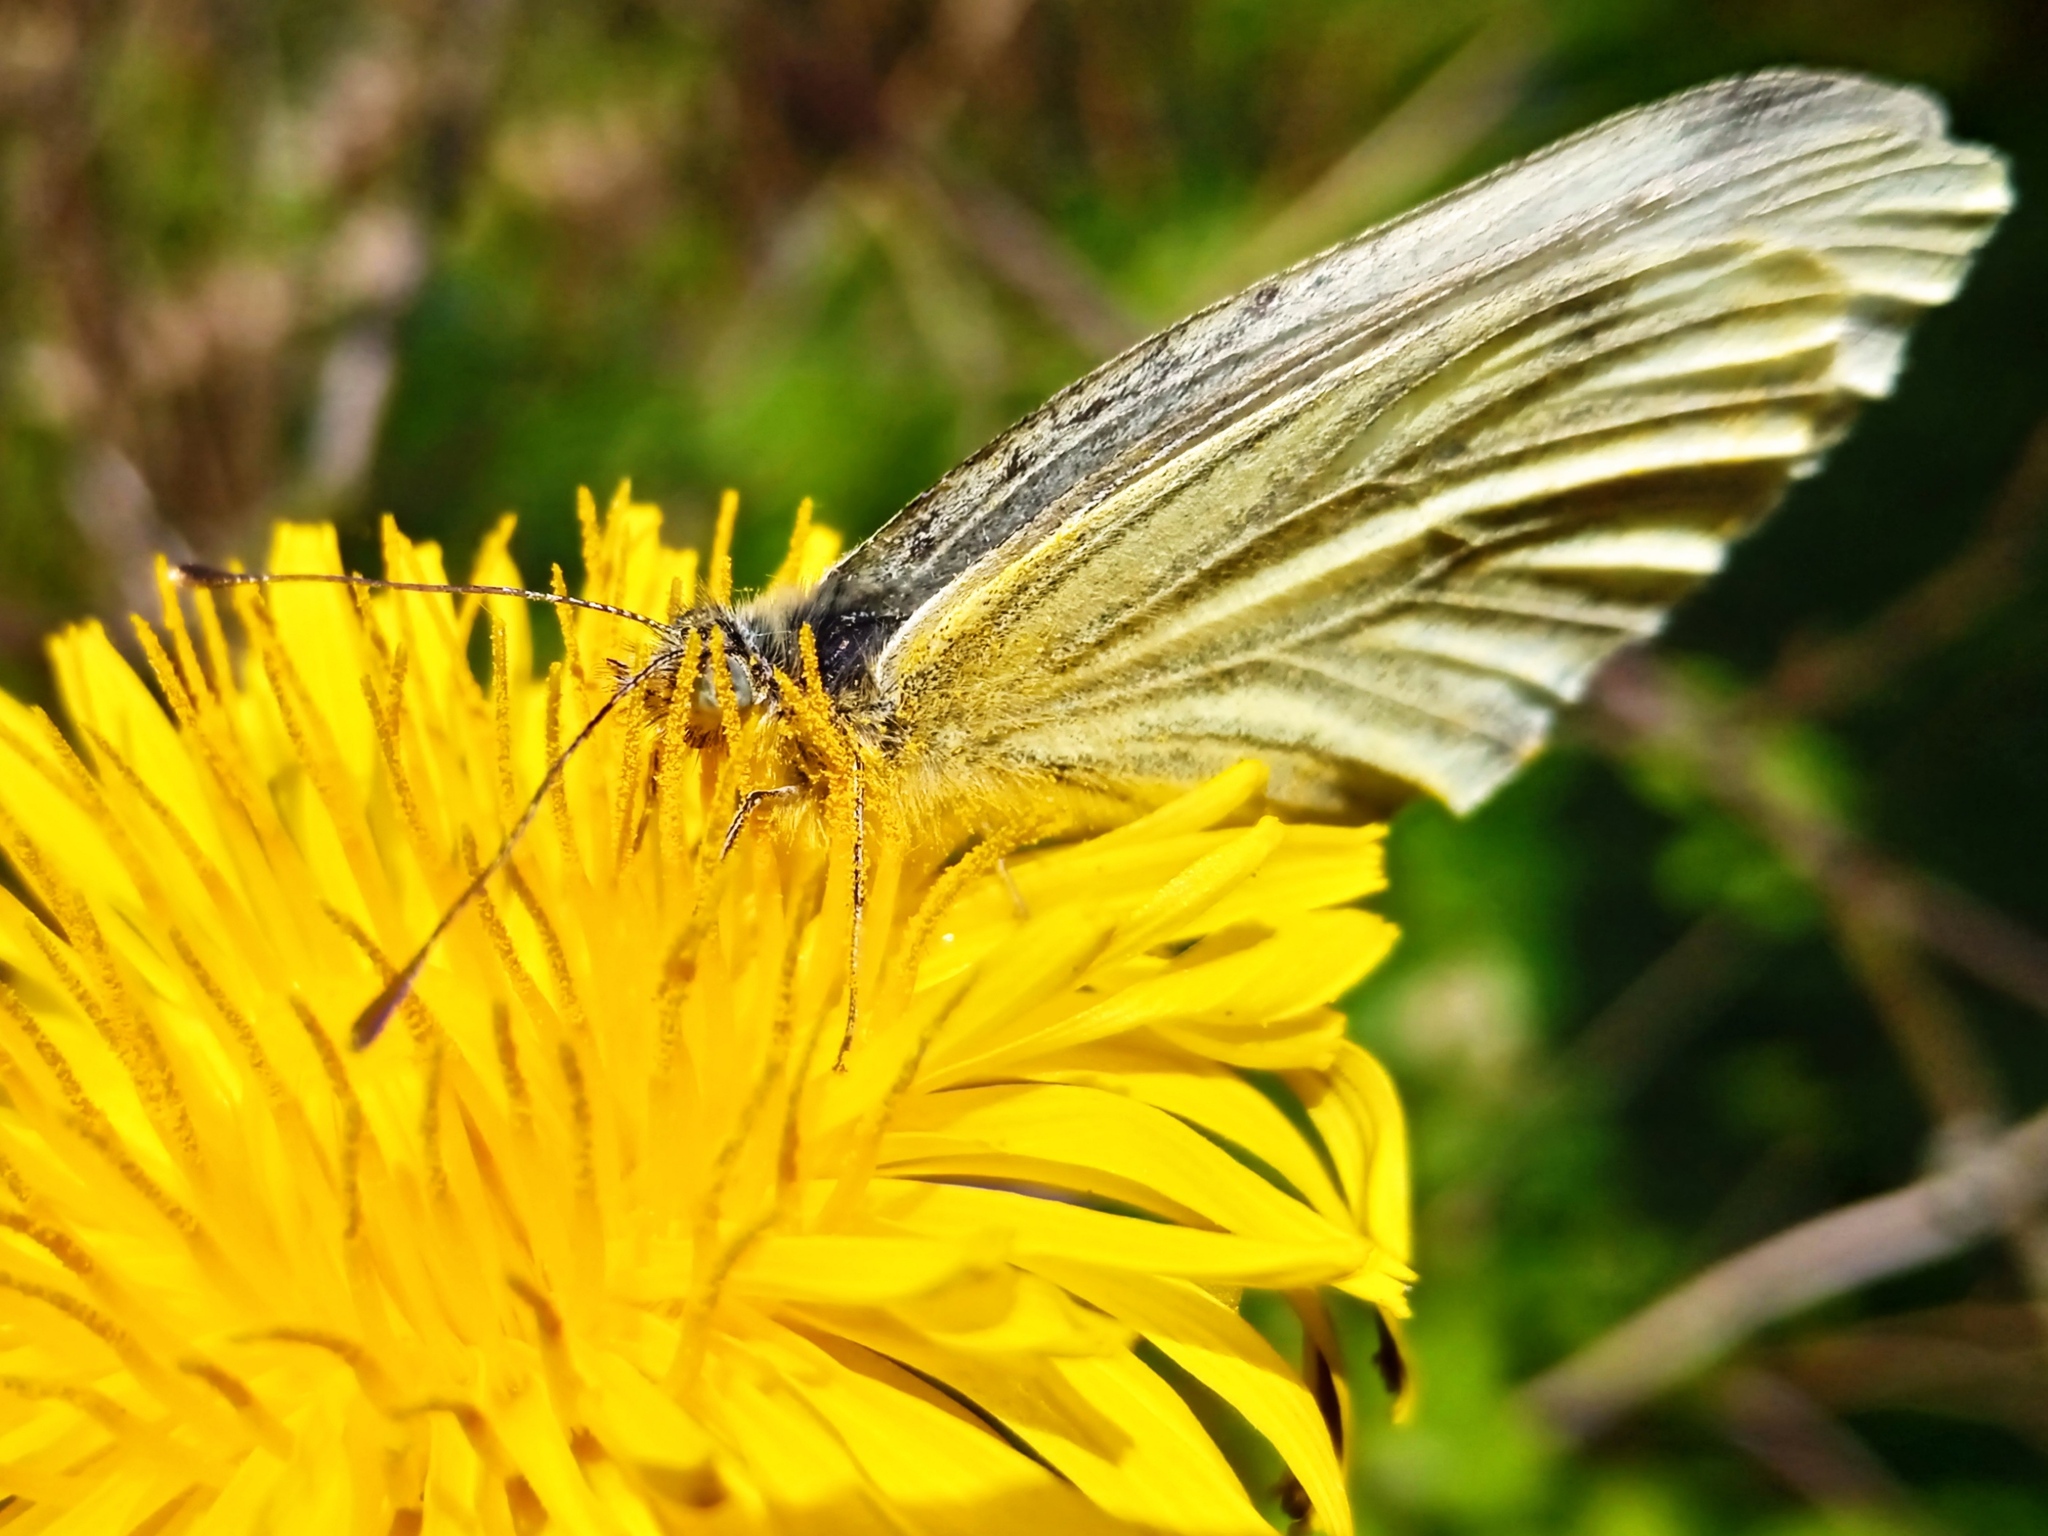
(1759, 939)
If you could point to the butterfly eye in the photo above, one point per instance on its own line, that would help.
(704, 711)
(742, 681)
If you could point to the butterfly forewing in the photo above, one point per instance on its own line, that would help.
(1375, 519)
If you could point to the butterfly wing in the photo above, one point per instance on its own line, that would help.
(1374, 520)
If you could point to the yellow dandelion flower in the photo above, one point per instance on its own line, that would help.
(596, 1239)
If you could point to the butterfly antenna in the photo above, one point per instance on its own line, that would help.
(213, 576)
(370, 1022)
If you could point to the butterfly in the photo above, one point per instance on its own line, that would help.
(1375, 520)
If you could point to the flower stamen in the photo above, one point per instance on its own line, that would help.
(719, 588)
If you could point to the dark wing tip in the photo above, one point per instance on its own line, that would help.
(1774, 100)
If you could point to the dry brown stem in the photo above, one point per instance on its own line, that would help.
(1642, 704)
(1817, 679)
(1688, 1329)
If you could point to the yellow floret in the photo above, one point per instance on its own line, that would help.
(596, 1237)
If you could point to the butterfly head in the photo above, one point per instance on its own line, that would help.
(758, 648)
(713, 669)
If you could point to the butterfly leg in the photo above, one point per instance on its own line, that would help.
(860, 904)
(749, 803)
(1017, 902)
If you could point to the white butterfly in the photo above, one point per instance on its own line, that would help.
(1375, 519)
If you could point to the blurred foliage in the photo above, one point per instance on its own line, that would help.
(443, 257)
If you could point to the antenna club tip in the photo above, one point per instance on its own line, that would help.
(370, 1022)
(191, 574)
